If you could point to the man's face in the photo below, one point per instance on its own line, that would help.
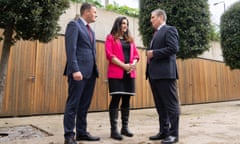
(92, 15)
(156, 20)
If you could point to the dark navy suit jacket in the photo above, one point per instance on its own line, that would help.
(81, 51)
(165, 45)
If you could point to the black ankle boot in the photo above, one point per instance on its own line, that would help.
(113, 114)
(124, 116)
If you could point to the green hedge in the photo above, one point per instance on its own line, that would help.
(192, 19)
(230, 36)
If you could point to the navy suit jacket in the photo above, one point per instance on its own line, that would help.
(165, 47)
(80, 50)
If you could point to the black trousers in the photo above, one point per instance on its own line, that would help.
(79, 98)
(167, 105)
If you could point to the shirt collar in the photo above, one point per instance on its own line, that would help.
(83, 20)
(161, 26)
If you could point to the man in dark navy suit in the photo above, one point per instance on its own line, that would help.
(162, 73)
(81, 70)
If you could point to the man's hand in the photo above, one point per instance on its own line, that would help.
(149, 54)
(77, 76)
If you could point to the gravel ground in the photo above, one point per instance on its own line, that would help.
(212, 123)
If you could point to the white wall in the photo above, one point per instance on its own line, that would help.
(103, 25)
(214, 53)
(105, 21)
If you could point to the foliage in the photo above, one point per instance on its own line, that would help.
(230, 36)
(32, 20)
(191, 18)
(145, 27)
(95, 2)
(125, 10)
(27, 20)
(214, 33)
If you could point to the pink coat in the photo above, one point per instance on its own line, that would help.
(113, 48)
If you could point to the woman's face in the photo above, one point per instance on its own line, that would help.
(124, 25)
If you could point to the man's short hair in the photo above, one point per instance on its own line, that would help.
(160, 12)
(85, 6)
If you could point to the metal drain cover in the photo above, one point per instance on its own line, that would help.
(21, 132)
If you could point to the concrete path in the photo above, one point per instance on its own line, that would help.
(213, 123)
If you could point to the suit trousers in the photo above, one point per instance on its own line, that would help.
(167, 105)
(79, 99)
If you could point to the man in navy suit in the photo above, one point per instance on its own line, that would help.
(162, 73)
(81, 70)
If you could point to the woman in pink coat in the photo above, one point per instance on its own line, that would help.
(123, 56)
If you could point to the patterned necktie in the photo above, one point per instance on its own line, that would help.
(89, 32)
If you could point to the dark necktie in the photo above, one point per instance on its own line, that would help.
(89, 32)
(154, 34)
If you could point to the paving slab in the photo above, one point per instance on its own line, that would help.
(212, 123)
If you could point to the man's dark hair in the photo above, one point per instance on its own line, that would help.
(84, 7)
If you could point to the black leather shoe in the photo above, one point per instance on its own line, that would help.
(158, 136)
(170, 140)
(70, 141)
(87, 137)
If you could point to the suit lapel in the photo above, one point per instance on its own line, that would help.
(86, 31)
(156, 36)
(153, 39)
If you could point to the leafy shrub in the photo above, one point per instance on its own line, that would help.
(125, 10)
(214, 33)
(230, 36)
(191, 18)
(31, 20)
(95, 2)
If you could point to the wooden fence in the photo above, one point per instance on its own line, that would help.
(36, 85)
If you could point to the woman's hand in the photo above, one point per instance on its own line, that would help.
(133, 65)
(127, 67)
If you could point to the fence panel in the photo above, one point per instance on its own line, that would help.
(36, 85)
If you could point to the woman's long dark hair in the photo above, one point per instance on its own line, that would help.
(117, 32)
